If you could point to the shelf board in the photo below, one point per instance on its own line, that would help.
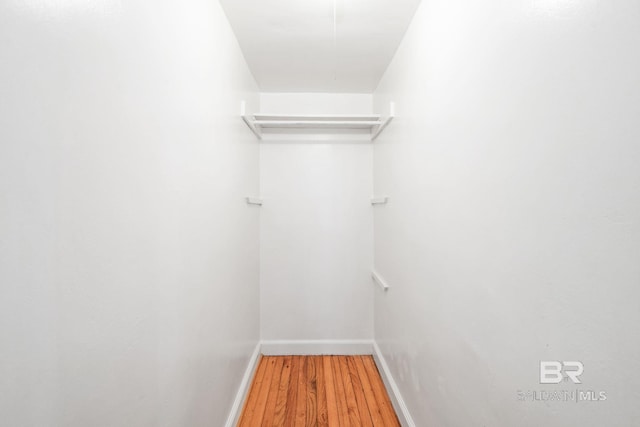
(352, 124)
(316, 124)
(317, 117)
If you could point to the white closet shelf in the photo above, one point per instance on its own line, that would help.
(318, 117)
(299, 122)
(373, 123)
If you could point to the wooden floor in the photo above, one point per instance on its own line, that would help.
(335, 391)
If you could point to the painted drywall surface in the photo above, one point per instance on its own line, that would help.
(128, 258)
(316, 229)
(316, 103)
(291, 45)
(511, 235)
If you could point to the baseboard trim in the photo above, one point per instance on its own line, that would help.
(317, 347)
(396, 398)
(243, 390)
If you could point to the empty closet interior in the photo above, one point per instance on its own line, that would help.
(444, 192)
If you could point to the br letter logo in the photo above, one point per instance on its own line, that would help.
(551, 372)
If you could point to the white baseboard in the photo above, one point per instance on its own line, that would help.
(317, 347)
(243, 391)
(392, 388)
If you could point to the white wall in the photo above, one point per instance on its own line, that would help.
(512, 232)
(128, 258)
(316, 228)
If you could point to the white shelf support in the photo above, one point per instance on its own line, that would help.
(385, 123)
(254, 201)
(382, 200)
(379, 280)
(248, 121)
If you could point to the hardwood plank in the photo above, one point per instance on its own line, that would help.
(352, 404)
(382, 399)
(263, 394)
(270, 404)
(301, 404)
(354, 377)
(325, 391)
(312, 393)
(322, 419)
(283, 392)
(290, 413)
(333, 415)
(374, 410)
(250, 403)
(341, 399)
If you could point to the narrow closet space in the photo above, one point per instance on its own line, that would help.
(341, 213)
(316, 258)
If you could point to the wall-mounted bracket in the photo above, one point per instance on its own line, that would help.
(385, 123)
(248, 121)
(253, 201)
(379, 280)
(379, 200)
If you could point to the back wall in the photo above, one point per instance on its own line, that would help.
(316, 228)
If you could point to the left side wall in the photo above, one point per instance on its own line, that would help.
(128, 258)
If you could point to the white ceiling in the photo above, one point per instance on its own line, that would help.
(289, 44)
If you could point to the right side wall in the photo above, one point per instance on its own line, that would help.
(512, 232)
